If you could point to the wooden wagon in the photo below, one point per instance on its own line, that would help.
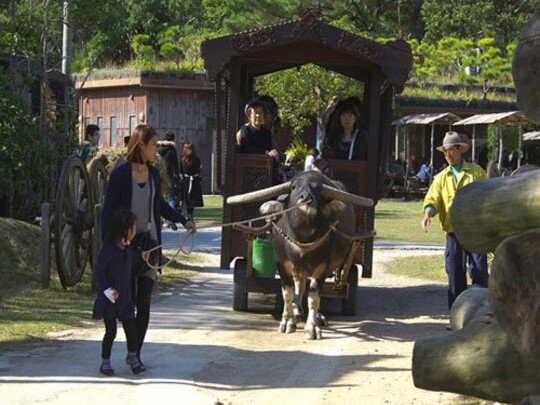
(234, 61)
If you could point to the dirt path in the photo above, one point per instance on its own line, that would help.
(199, 351)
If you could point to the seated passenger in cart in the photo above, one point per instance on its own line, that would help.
(254, 137)
(346, 137)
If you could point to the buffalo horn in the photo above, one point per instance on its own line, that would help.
(260, 195)
(344, 196)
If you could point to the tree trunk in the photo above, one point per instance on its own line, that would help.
(514, 290)
(478, 360)
(486, 212)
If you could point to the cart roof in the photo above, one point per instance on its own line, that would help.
(506, 118)
(427, 119)
(308, 40)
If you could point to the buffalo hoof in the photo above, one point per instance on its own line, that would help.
(282, 326)
(321, 319)
(287, 326)
(313, 333)
(291, 327)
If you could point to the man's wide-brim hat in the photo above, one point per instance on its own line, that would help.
(452, 138)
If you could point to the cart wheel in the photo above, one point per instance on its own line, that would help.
(240, 295)
(98, 179)
(348, 306)
(73, 221)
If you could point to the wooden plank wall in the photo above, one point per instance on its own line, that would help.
(190, 115)
(187, 113)
(106, 103)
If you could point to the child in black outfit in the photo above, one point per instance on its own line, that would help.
(114, 300)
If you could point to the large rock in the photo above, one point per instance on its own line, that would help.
(526, 69)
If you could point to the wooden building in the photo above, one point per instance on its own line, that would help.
(168, 101)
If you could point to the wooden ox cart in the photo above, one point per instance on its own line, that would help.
(234, 61)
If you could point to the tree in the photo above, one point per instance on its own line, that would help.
(171, 45)
(23, 153)
(493, 66)
(471, 19)
(387, 18)
(143, 50)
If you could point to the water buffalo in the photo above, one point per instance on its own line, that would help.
(312, 242)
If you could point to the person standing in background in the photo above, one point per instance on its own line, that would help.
(190, 169)
(87, 150)
(438, 201)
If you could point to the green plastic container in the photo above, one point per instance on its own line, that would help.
(263, 258)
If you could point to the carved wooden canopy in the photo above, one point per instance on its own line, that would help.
(308, 40)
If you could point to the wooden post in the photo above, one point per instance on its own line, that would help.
(45, 246)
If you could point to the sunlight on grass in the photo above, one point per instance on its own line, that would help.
(212, 211)
(400, 221)
(428, 268)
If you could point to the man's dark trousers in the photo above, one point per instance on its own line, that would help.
(456, 267)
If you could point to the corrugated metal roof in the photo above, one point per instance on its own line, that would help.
(427, 119)
(531, 136)
(505, 118)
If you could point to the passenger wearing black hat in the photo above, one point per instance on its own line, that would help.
(254, 137)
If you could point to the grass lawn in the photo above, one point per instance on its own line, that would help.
(428, 268)
(211, 213)
(400, 221)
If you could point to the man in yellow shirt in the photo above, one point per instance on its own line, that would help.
(439, 199)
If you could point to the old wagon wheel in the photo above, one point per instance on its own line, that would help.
(73, 221)
(98, 179)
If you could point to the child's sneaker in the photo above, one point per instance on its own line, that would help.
(136, 365)
(106, 369)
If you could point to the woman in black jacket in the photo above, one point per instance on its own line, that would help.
(136, 186)
(191, 167)
(167, 151)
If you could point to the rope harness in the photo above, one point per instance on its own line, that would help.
(185, 235)
(309, 246)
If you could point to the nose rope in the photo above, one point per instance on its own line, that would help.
(183, 236)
